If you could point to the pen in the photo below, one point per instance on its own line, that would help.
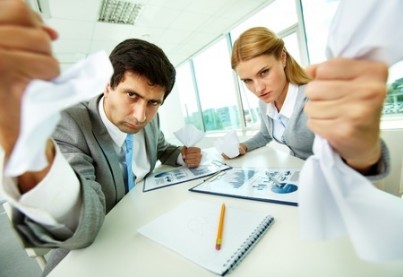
(220, 228)
(274, 180)
(215, 175)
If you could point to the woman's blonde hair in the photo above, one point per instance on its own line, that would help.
(259, 41)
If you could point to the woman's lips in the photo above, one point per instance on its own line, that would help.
(265, 95)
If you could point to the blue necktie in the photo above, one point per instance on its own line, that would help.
(129, 160)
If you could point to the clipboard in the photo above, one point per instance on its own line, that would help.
(254, 184)
(177, 175)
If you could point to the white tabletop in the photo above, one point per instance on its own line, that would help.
(120, 251)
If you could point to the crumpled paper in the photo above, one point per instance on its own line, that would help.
(42, 102)
(228, 144)
(189, 135)
(334, 199)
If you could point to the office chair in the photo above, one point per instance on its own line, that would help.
(34, 252)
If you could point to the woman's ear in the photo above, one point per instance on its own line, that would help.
(284, 57)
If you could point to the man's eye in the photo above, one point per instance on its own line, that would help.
(131, 94)
(246, 81)
(154, 103)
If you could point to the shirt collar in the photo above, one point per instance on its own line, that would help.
(117, 136)
(288, 105)
(289, 102)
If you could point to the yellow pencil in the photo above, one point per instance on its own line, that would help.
(220, 228)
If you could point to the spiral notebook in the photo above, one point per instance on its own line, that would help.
(191, 228)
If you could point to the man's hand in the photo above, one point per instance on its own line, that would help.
(345, 104)
(25, 54)
(191, 156)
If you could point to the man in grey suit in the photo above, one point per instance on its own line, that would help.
(90, 137)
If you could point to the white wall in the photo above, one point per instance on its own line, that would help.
(394, 140)
(171, 115)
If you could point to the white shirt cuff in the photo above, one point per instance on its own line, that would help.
(54, 202)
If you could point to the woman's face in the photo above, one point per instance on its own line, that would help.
(265, 77)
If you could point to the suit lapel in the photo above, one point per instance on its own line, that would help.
(105, 143)
(151, 143)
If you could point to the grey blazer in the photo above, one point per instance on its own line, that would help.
(86, 144)
(299, 139)
(297, 136)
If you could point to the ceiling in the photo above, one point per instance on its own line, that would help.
(179, 27)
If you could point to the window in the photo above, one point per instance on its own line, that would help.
(277, 16)
(208, 74)
(394, 101)
(317, 25)
(188, 95)
(216, 87)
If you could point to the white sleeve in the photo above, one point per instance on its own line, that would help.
(334, 199)
(55, 202)
(179, 160)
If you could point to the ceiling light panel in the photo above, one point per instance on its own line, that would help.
(119, 12)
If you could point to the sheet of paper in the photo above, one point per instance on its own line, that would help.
(367, 30)
(228, 144)
(177, 175)
(254, 184)
(334, 199)
(189, 135)
(42, 102)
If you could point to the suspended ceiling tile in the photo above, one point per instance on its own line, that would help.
(71, 45)
(74, 9)
(107, 31)
(72, 29)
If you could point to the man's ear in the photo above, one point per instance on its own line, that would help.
(107, 90)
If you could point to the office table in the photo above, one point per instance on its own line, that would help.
(120, 251)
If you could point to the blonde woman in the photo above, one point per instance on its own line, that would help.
(262, 62)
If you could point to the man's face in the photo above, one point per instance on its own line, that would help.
(132, 103)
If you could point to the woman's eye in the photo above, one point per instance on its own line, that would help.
(264, 72)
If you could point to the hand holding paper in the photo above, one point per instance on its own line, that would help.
(22, 59)
(228, 145)
(334, 199)
(42, 103)
(348, 120)
(189, 136)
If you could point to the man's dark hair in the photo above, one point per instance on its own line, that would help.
(145, 59)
